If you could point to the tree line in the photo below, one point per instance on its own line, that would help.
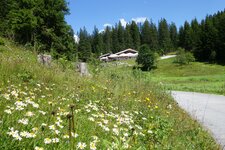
(40, 24)
(205, 39)
(162, 38)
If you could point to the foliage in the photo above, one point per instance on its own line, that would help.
(164, 36)
(183, 57)
(65, 64)
(25, 76)
(205, 38)
(173, 35)
(149, 35)
(38, 23)
(97, 42)
(84, 47)
(135, 34)
(146, 58)
(2, 43)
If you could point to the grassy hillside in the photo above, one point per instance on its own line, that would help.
(115, 108)
(197, 77)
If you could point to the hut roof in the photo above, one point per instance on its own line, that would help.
(105, 55)
(129, 50)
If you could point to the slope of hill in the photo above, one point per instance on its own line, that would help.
(196, 77)
(115, 108)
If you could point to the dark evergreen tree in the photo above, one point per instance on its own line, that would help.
(196, 31)
(22, 21)
(146, 33)
(188, 41)
(173, 35)
(97, 43)
(107, 40)
(220, 46)
(154, 37)
(39, 23)
(149, 35)
(128, 38)
(5, 8)
(135, 34)
(181, 37)
(164, 36)
(84, 48)
(121, 37)
(209, 37)
(115, 42)
(146, 58)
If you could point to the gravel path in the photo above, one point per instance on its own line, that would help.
(208, 109)
(168, 56)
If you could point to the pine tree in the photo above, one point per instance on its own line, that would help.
(146, 33)
(188, 41)
(154, 37)
(196, 31)
(128, 38)
(84, 48)
(115, 41)
(220, 46)
(121, 37)
(146, 58)
(164, 36)
(208, 39)
(97, 43)
(181, 37)
(135, 34)
(173, 35)
(22, 21)
(5, 8)
(107, 40)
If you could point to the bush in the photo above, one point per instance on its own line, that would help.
(189, 57)
(183, 57)
(212, 57)
(146, 58)
(2, 42)
(25, 76)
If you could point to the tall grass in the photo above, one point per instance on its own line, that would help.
(115, 108)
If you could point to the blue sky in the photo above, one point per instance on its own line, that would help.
(89, 13)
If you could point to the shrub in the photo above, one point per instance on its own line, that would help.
(146, 58)
(212, 56)
(189, 57)
(25, 76)
(2, 42)
(183, 57)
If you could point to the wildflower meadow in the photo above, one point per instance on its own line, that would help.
(116, 108)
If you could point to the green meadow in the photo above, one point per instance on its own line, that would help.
(54, 108)
(195, 77)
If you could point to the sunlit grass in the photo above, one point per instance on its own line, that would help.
(115, 108)
(196, 77)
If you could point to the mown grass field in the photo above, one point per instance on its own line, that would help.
(195, 77)
(115, 108)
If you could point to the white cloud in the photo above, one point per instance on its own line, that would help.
(123, 22)
(101, 31)
(139, 19)
(107, 25)
(76, 38)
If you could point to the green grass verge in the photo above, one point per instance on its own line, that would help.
(115, 108)
(196, 77)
